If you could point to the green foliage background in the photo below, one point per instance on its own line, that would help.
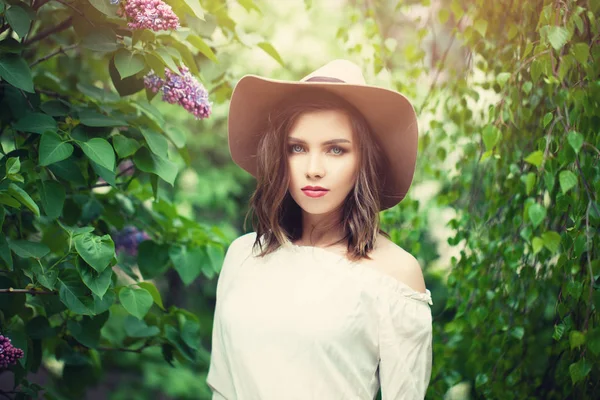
(503, 213)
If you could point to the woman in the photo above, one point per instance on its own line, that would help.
(318, 303)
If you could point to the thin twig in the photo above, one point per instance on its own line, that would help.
(438, 70)
(55, 52)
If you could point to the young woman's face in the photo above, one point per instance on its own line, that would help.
(322, 159)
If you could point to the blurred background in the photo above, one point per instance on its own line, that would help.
(117, 249)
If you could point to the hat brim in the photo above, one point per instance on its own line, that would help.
(390, 114)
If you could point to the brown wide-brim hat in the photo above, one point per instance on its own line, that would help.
(390, 115)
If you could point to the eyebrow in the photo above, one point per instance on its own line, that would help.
(332, 141)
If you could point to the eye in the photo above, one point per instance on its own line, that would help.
(337, 150)
(296, 148)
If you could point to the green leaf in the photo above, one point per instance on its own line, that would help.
(575, 139)
(100, 39)
(567, 181)
(21, 195)
(52, 197)
(557, 36)
(138, 328)
(52, 149)
(128, 63)
(8, 200)
(19, 19)
(535, 158)
(95, 119)
(502, 78)
(551, 240)
(491, 136)
(517, 332)
(87, 331)
(136, 301)
(105, 7)
(576, 339)
(36, 123)
(5, 254)
(593, 341)
(201, 45)
(530, 182)
(537, 213)
(166, 58)
(149, 286)
(538, 244)
(216, 256)
(27, 249)
(15, 71)
(152, 258)
(97, 282)
(196, 8)
(559, 331)
(579, 370)
(158, 143)
(187, 262)
(547, 119)
(39, 328)
(174, 337)
(443, 15)
(152, 163)
(125, 146)
(155, 64)
(13, 165)
(480, 26)
(270, 50)
(99, 151)
(74, 294)
(97, 251)
(581, 52)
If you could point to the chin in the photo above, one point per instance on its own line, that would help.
(317, 206)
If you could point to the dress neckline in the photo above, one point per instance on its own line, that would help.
(385, 279)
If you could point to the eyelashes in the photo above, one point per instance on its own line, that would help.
(335, 150)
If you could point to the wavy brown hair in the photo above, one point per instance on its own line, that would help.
(277, 217)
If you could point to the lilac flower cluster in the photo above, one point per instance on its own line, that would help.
(128, 239)
(182, 89)
(8, 353)
(155, 15)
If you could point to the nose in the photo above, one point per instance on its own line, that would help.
(315, 167)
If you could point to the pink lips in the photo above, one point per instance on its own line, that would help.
(314, 191)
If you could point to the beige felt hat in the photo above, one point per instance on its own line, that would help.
(391, 116)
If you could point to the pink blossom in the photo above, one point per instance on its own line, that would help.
(182, 89)
(155, 15)
(8, 353)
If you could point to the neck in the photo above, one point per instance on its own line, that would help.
(321, 230)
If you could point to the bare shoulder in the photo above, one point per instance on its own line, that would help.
(391, 259)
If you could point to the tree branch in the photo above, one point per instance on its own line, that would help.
(44, 34)
(30, 291)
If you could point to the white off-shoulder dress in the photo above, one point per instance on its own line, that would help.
(306, 323)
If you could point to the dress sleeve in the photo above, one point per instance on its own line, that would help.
(219, 378)
(405, 344)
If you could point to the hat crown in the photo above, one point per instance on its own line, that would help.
(340, 69)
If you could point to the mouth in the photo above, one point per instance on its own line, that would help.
(314, 191)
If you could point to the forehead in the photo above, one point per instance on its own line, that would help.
(323, 125)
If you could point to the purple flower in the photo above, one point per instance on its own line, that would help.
(8, 353)
(126, 167)
(155, 15)
(128, 239)
(182, 89)
(153, 82)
